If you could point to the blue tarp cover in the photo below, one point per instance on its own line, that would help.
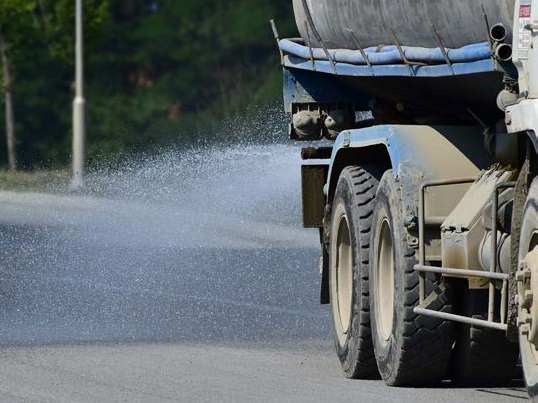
(388, 61)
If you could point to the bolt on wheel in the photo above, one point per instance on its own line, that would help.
(342, 275)
(384, 279)
(527, 291)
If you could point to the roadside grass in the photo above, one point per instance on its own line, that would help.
(36, 181)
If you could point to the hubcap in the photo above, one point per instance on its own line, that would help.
(343, 275)
(385, 281)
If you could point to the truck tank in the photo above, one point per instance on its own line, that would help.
(343, 23)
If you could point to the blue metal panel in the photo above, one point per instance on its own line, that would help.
(432, 152)
(398, 70)
(305, 86)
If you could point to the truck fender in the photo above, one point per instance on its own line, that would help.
(434, 153)
(416, 154)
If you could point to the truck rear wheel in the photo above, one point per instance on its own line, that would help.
(348, 271)
(410, 349)
(527, 288)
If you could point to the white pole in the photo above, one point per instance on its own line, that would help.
(79, 126)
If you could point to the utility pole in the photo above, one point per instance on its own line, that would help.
(8, 100)
(79, 104)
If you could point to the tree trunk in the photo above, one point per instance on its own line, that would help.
(8, 99)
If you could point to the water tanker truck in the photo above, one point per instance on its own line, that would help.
(421, 175)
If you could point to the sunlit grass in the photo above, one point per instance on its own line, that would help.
(37, 181)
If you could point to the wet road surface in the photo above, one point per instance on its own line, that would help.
(197, 293)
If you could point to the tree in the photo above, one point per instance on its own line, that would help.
(55, 23)
(157, 71)
(15, 17)
(39, 30)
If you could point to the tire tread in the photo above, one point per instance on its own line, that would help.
(426, 342)
(363, 186)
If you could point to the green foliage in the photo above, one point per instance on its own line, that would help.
(55, 21)
(156, 70)
(16, 15)
(36, 181)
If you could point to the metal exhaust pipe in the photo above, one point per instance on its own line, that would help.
(503, 52)
(498, 32)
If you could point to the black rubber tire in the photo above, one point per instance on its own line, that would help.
(354, 197)
(410, 349)
(528, 240)
(481, 356)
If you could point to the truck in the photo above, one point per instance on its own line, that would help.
(421, 176)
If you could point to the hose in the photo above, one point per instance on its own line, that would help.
(389, 54)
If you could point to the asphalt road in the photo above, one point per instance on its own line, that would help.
(180, 278)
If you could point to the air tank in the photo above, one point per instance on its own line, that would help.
(342, 24)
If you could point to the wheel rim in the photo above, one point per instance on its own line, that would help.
(342, 277)
(385, 281)
(527, 291)
(527, 287)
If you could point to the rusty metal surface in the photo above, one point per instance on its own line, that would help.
(312, 181)
(311, 153)
(520, 195)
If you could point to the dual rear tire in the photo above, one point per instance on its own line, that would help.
(374, 288)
